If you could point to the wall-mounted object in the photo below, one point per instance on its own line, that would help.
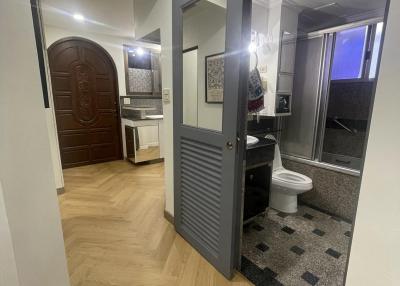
(142, 71)
(274, 30)
(215, 78)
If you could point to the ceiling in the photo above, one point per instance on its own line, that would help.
(108, 17)
(317, 14)
(116, 17)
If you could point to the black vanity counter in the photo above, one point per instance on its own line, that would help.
(259, 161)
(263, 142)
(261, 153)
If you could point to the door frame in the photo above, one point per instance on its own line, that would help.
(115, 81)
(238, 34)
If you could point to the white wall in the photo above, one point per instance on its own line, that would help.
(26, 173)
(189, 88)
(159, 16)
(8, 268)
(209, 36)
(375, 252)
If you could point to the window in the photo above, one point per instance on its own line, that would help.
(348, 61)
(357, 52)
(375, 51)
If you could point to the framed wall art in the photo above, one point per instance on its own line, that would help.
(215, 78)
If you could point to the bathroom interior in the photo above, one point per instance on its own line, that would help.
(313, 70)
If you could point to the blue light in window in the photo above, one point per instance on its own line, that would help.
(349, 54)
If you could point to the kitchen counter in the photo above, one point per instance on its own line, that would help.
(139, 119)
(151, 130)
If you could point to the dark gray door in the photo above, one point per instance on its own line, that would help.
(211, 64)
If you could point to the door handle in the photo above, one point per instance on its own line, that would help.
(229, 145)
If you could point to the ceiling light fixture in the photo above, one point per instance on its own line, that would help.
(79, 17)
(140, 51)
(252, 47)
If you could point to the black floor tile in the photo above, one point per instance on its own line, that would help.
(347, 233)
(333, 253)
(318, 232)
(252, 271)
(269, 272)
(297, 250)
(282, 215)
(257, 275)
(288, 230)
(308, 216)
(310, 278)
(270, 282)
(262, 246)
(258, 227)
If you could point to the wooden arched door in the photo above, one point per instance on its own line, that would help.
(85, 92)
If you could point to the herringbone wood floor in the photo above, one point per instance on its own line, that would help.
(115, 233)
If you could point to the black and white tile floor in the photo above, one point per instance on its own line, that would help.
(302, 249)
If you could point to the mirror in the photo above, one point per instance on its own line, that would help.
(142, 71)
(204, 25)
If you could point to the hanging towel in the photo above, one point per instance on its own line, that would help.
(255, 92)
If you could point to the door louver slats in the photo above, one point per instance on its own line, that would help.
(200, 192)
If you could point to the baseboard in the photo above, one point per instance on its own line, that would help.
(169, 217)
(60, 191)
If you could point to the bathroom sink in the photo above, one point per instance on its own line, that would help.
(251, 140)
(155, 116)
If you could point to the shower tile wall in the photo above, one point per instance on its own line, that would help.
(333, 192)
(140, 80)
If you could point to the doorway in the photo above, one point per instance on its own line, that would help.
(86, 102)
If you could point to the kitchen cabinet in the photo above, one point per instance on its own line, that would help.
(143, 140)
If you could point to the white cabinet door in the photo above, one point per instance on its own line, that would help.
(161, 137)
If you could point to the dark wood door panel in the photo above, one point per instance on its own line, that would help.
(74, 158)
(85, 91)
(62, 84)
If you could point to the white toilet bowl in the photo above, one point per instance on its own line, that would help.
(286, 185)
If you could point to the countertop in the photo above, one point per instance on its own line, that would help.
(138, 119)
(264, 142)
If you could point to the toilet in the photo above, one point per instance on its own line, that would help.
(286, 185)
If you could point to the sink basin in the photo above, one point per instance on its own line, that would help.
(155, 116)
(251, 140)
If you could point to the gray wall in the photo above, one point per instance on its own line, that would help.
(333, 192)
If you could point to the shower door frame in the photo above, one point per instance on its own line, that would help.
(325, 84)
(323, 95)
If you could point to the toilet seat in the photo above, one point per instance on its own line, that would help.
(291, 180)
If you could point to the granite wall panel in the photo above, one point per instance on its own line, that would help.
(335, 193)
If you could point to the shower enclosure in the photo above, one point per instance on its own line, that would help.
(333, 90)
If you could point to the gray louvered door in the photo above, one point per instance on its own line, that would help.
(211, 64)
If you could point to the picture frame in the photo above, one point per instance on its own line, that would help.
(214, 78)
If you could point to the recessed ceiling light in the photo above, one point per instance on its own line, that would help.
(79, 17)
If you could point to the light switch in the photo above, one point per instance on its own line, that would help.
(127, 100)
(166, 95)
